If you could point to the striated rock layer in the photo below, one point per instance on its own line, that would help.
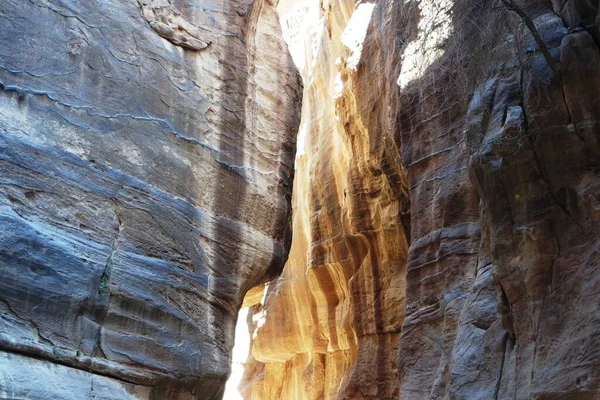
(500, 138)
(485, 115)
(146, 160)
(330, 324)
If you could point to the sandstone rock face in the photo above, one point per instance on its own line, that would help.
(467, 266)
(499, 135)
(330, 324)
(146, 163)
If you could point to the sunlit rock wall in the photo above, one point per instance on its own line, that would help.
(329, 326)
(146, 162)
(495, 292)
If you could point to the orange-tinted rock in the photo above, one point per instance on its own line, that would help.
(330, 325)
(494, 294)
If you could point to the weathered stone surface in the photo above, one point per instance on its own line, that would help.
(524, 225)
(495, 116)
(144, 187)
(446, 202)
(168, 22)
(329, 326)
(31, 378)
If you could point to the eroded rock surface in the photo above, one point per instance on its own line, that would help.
(145, 180)
(330, 324)
(446, 202)
(500, 139)
(494, 293)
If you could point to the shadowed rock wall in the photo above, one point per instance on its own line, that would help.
(446, 200)
(500, 138)
(146, 162)
(493, 107)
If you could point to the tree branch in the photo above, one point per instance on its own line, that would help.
(510, 5)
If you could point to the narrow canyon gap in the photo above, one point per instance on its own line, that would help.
(330, 324)
(446, 205)
(443, 228)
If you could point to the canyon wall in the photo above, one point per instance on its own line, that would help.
(446, 205)
(330, 324)
(146, 163)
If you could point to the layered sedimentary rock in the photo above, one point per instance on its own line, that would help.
(146, 160)
(488, 288)
(446, 202)
(330, 324)
(500, 138)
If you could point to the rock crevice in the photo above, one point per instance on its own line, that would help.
(460, 136)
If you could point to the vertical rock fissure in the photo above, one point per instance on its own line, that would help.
(445, 207)
(498, 157)
(330, 325)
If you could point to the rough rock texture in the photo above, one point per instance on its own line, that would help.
(146, 158)
(495, 293)
(500, 138)
(329, 326)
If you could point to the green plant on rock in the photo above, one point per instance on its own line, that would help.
(103, 287)
(57, 352)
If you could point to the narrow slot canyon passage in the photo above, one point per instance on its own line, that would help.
(300, 199)
(329, 325)
(407, 238)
